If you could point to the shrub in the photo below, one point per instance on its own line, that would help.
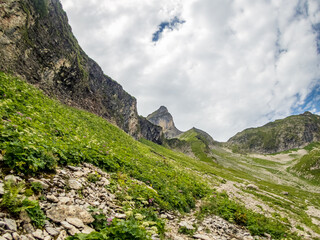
(36, 187)
(15, 202)
(117, 230)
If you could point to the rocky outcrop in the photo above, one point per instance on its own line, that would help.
(164, 119)
(67, 210)
(292, 132)
(150, 131)
(36, 43)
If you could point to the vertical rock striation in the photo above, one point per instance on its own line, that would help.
(37, 44)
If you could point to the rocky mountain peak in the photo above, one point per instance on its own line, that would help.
(164, 119)
(37, 44)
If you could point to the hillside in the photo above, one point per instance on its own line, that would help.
(39, 137)
(164, 119)
(200, 143)
(37, 43)
(292, 132)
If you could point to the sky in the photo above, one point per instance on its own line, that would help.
(217, 65)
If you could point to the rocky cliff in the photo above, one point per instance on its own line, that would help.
(292, 132)
(164, 119)
(36, 43)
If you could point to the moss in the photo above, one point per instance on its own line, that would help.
(41, 7)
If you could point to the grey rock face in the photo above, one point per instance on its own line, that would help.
(164, 119)
(41, 48)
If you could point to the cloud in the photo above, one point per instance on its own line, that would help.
(229, 66)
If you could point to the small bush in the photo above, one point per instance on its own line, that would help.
(36, 187)
(116, 229)
(93, 177)
(15, 202)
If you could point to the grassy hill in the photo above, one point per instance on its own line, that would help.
(37, 134)
(200, 143)
(284, 134)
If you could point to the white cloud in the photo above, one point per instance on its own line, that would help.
(231, 65)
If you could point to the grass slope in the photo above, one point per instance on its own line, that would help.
(199, 142)
(37, 134)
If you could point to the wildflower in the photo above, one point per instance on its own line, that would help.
(19, 113)
(180, 191)
(84, 136)
(151, 200)
(109, 220)
(29, 118)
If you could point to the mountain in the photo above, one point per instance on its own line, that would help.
(200, 143)
(164, 119)
(292, 132)
(37, 44)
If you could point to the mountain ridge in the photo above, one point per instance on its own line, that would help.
(37, 44)
(164, 119)
(295, 131)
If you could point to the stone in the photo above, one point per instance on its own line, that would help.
(52, 198)
(12, 178)
(15, 236)
(38, 234)
(47, 238)
(285, 193)
(1, 188)
(61, 212)
(2, 238)
(23, 237)
(7, 236)
(87, 229)
(62, 236)
(73, 168)
(75, 222)
(28, 227)
(66, 225)
(43, 184)
(186, 225)
(24, 217)
(73, 231)
(201, 236)
(52, 231)
(120, 216)
(65, 200)
(11, 224)
(252, 187)
(105, 181)
(74, 184)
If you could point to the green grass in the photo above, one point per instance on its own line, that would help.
(37, 134)
(308, 166)
(199, 144)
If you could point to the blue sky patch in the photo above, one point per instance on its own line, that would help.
(171, 25)
(312, 102)
(316, 28)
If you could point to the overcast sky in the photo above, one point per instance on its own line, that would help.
(218, 65)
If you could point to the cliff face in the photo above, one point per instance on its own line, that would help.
(280, 135)
(164, 119)
(36, 43)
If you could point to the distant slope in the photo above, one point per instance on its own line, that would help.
(164, 119)
(308, 166)
(37, 43)
(292, 132)
(200, 143)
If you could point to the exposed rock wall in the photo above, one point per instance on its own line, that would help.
(36, 43)
(164, 119)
